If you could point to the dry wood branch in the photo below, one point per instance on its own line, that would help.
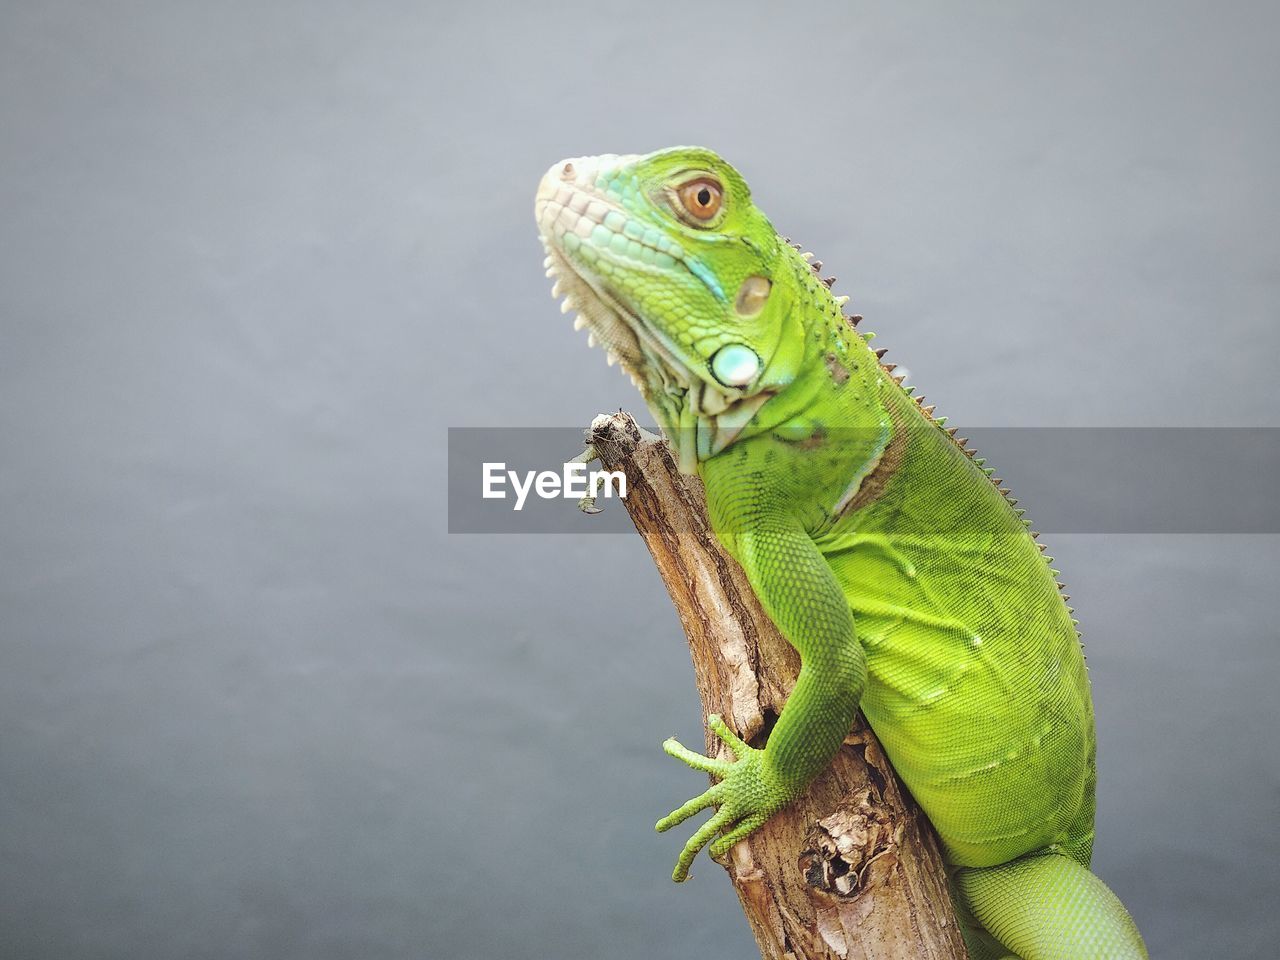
(852, 869)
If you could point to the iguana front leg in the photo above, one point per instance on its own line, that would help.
(801, 595)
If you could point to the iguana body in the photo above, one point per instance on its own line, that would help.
(880, 548)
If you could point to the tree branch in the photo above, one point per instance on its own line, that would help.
(852, 869)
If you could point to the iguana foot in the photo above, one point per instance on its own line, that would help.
(745, 796)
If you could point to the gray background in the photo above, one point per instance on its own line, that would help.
(256, 257)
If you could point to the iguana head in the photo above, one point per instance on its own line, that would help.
(682, 280)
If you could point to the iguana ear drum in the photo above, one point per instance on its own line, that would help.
(735, 365)
(751, 296)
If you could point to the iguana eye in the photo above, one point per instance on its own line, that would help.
(700, 198)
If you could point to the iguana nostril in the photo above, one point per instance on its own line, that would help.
(567, 172)
(735, 365)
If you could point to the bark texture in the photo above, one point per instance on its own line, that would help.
(851, 870)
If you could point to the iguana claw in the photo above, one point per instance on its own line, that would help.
(743, 796)
(587, 504)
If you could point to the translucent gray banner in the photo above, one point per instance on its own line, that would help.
(1069, 479)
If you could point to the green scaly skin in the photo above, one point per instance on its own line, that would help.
(880, 548)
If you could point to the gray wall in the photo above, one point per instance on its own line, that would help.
(256, 257)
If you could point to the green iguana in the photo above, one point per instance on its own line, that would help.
(878, 545)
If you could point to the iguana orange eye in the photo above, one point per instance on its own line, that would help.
(700, 198)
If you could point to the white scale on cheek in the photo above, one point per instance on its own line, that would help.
(735, 365)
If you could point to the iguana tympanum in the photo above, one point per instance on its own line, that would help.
(878, 545)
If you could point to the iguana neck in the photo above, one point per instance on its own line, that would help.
(836, 384)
